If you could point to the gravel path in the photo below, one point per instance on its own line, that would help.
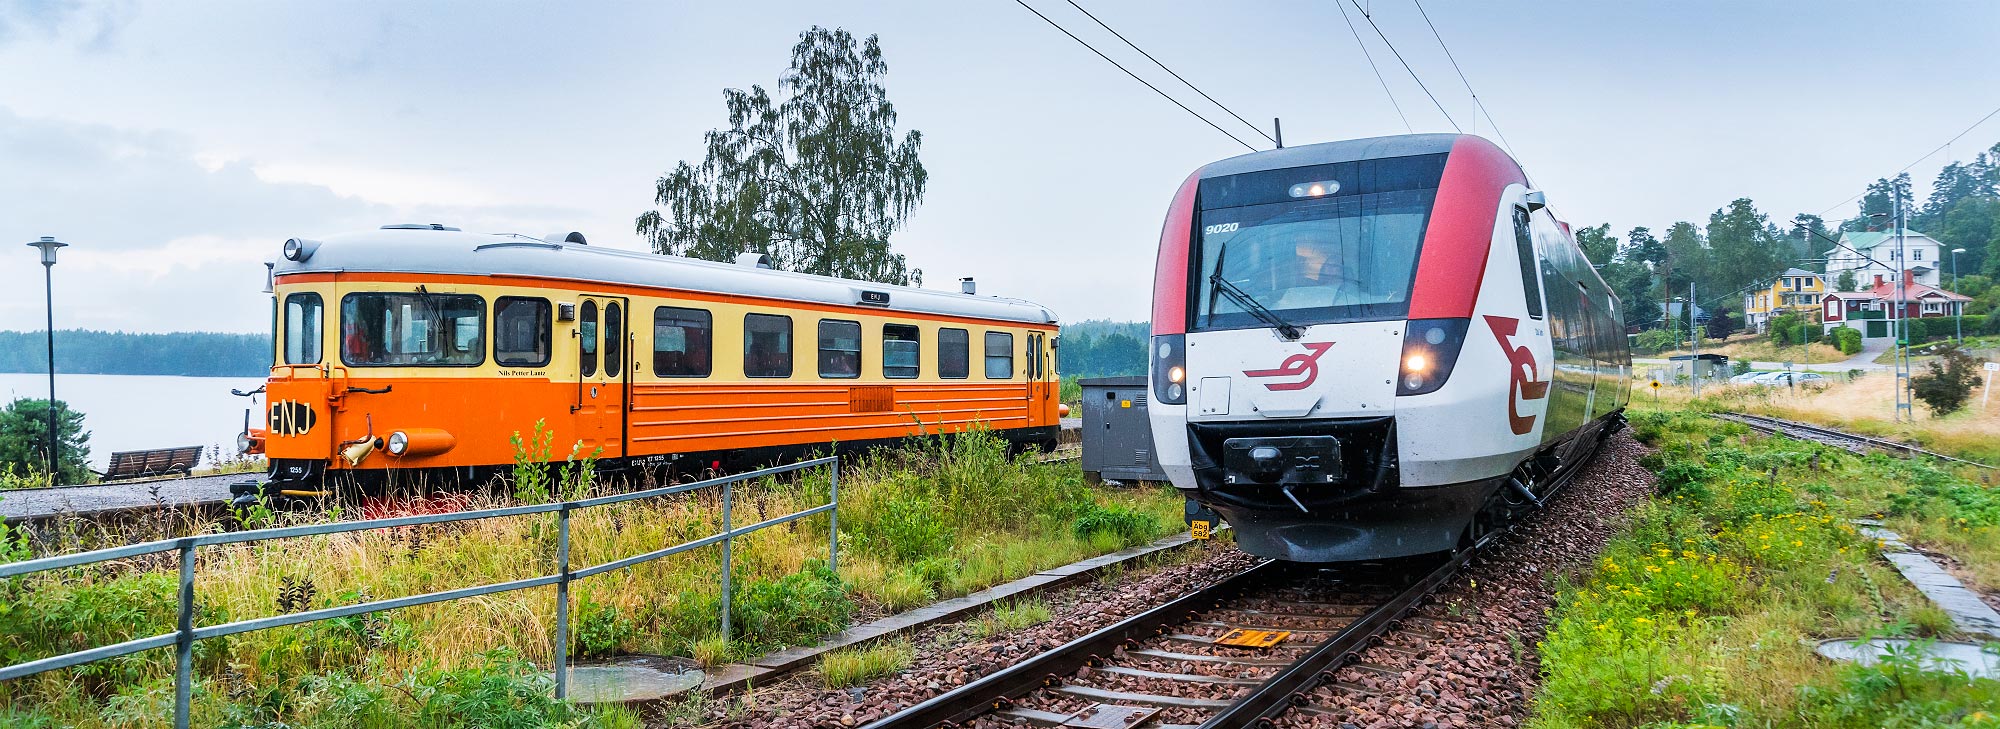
(87, 500)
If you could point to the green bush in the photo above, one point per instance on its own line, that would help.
(1948, 382)
(599, 629)
(1654, 341)
(1847, 338)
(796, 609)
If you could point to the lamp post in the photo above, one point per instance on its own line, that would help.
(49, 245)
(1959, 310)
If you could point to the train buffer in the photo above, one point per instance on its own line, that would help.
(155, 462)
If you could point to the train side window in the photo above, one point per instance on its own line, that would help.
(954, 354)
(614, 339)
(839, 349)
(767, 345)
(681, 342)
(304, 313)
(586, 335)
(521, 331)
(999, 356)
(900, 352)
(1524, 247)
(385, 329)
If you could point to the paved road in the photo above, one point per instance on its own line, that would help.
(97, 499)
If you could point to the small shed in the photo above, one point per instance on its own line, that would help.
(1117, 436)
(1698, 366)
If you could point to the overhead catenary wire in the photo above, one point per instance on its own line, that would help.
(1461, 77)
(1372, 67)
(1170, 72)
(1919, 160)
(1406, 66)
(1135, 77)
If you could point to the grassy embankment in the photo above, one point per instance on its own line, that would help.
(1705, 609)
(942, 519)
(1760, 348)
(1865, 406)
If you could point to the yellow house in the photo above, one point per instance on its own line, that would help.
(1795, 291)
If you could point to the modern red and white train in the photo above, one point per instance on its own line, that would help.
(1375, 348)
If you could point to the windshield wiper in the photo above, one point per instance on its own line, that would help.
(1285, 329)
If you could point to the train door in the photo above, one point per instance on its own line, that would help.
(604, 372)
(1038, 389)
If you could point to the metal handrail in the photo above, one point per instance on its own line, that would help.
(187, 633)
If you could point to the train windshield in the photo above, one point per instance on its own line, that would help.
(1306, 255)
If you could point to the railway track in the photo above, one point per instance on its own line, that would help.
(1276, 639)
(1840, 439)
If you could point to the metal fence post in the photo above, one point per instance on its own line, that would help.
(727, 540)
(562, 602)
(833, 522)
(184, 645)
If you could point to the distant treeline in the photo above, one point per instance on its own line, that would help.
(1100, 348)
(192, 354)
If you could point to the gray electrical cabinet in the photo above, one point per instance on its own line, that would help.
(1117, 437)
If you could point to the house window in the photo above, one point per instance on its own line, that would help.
(1917, 255)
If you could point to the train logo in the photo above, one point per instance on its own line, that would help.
(291, 417)
(1522, 374)
(1299, 364)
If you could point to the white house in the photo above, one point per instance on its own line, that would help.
(1872, 258)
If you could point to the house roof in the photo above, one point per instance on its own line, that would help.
(1798, 272)
(1912, 292)
(1868, 240)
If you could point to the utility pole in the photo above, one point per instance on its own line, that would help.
(1694, 365)
(1904, 411)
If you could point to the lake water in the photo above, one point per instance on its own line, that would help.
(141, 412)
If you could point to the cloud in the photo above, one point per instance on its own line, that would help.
(93, 25)
(165, 236)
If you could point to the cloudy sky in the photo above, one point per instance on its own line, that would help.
(176, 145)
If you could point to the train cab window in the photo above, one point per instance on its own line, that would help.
(900, 352)
(999, 356)
(412, 330)
(586, 338)
(521, 331)
(839, 349)
(614, 339)
(767, 345)
(954, 354)
(1524, 247)
(681, 339)
(303, 315)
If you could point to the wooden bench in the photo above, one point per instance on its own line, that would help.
(156, 462)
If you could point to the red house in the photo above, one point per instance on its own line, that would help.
(1868, 310)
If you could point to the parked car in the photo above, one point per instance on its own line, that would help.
(1786, 379)
(1747, 378)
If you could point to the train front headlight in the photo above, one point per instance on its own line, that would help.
(1430, 349)
(1169, 369)
(243, 443)
(399, 442)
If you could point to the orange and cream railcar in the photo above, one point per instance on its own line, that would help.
(424, 347)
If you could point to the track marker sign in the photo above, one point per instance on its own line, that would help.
(1986, 393)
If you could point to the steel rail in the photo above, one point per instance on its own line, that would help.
(1779, 426)
(1272, 697)
(995, 690)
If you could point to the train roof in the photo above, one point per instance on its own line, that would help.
(1350, 150)
(431, 249)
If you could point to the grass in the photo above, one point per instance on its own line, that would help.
(1866, 406)
(1760, 348)
(1704, 609)
(938, 519)
(856, 666)
(1011, 616)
